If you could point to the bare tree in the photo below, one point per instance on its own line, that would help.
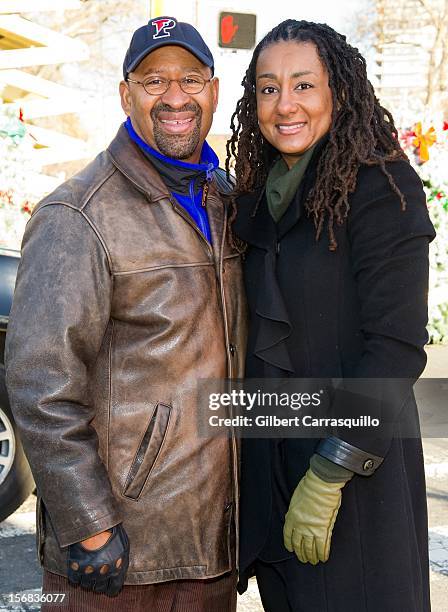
(416, 32)
(437, 68)
(105, 26)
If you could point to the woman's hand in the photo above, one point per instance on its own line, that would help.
(311, 517)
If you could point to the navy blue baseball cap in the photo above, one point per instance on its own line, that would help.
(162, 31)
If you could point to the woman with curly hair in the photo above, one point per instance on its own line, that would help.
(335, 229)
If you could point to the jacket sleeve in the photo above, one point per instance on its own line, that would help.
(60, 313)
(389, 253)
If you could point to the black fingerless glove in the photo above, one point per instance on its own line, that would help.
(102, 570)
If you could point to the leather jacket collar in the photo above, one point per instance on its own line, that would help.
(131, 161)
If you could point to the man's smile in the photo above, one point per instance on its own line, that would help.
(175, 123)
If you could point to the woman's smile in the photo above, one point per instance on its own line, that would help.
(288, 129)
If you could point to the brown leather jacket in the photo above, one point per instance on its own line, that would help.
(120, 307)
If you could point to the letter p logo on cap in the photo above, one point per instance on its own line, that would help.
(162, 26)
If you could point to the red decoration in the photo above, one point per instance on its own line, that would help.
(26, 207)
(445, 125)
(407, 136)
(21, 115)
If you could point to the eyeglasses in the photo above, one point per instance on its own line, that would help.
(157, 86)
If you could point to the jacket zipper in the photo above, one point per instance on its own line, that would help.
(204, 194)
(218, 271)
(203, 203)
(231, 358)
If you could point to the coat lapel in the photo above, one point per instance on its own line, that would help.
(216, 212)
(259, 229)
(128, 158)
(293, 213)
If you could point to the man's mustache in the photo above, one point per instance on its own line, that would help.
(166, 108)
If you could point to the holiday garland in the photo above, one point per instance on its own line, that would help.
(428, 152)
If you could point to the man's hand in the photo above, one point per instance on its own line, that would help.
(100, 563)
(97, 540)
(310, 519)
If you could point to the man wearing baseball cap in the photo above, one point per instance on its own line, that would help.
(128, 292)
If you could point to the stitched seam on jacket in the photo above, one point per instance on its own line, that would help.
(230, 366)
(174, 567)
(92, 522)
(97, 186)
(149, 195)
(159, 198)
(154, 268)
(100, 238)
(110, 391)
(89, 222)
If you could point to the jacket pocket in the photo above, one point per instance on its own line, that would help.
(146, 456)
(40, 528)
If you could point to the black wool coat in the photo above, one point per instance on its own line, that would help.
(360, 311)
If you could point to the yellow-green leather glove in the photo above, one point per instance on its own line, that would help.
(311, 516)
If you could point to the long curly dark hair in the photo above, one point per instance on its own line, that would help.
(361, 132)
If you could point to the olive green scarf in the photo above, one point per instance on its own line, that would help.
(282, 183)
